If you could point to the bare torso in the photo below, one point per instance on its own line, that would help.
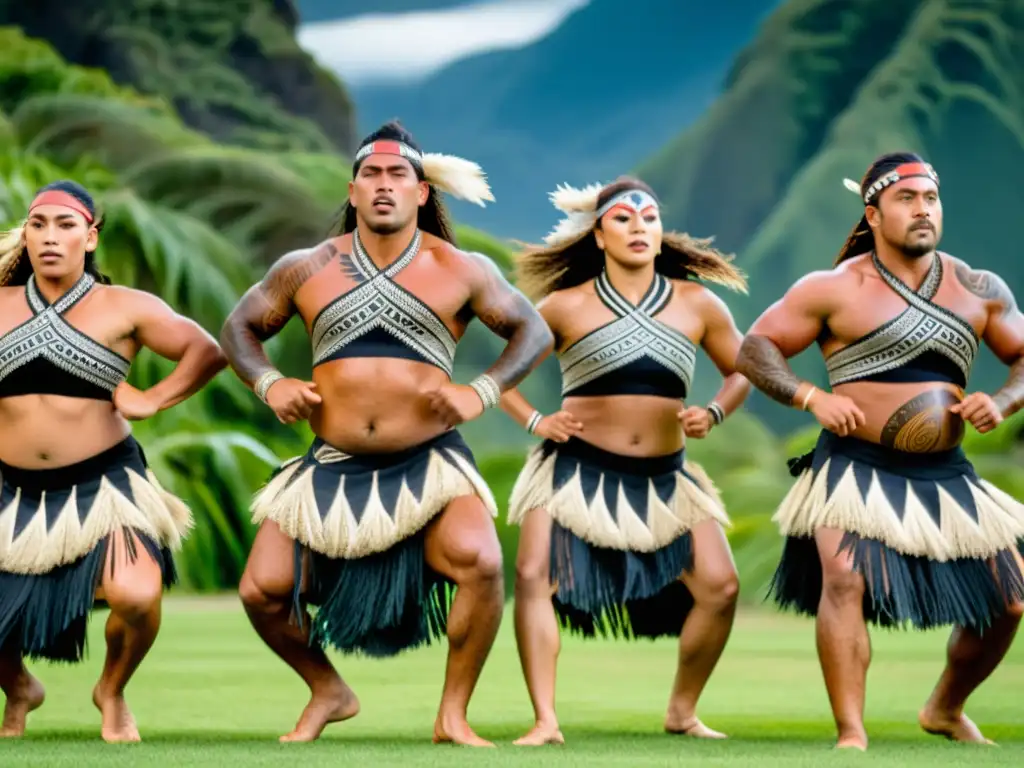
(372, 405)
(630, 425)
(40, 431)
(911, 417)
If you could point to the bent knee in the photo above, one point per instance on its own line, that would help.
(489, 565)
(136, 599)
(720, 593)
(842, 587)
(260, 594)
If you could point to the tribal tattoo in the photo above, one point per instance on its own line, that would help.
(766, 368)
(924, 424)
(1010, 397)
(510, 315)
(986, 285)
(266, 308)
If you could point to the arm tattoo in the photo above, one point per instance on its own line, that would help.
(265, 309)
(986, 285)
(510, 315)
(766, 368)
(1010, 397)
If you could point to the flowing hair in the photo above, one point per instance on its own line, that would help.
(16, 267)
(541, 270)
(861, 239)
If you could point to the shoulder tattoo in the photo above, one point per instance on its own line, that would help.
(986, 285)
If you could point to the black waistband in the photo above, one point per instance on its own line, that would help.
(128, 451)
(915, 465)
(616, 462)
(451, 440)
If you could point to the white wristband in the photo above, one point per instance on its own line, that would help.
(535, 419)
(488, 390)
(264, 382)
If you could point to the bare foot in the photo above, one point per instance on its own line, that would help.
(953, 727)
(852, 739)
(541, 734)
(118, 725)
(691, 726)
(25, 695)
(331, 706)
(453, 730)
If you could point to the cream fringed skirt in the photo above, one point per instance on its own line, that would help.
(620, 535)
(936, 544)
(362, 520)
(56, 526)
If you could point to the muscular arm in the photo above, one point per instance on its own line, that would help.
(176, 338)
(265, 309)
(1004, 331)
(509, 314)
(785, 329)
(722, 341)
(512, 400)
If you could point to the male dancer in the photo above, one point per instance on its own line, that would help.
(888, 522)
(386, 509)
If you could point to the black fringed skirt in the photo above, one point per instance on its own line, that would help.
(935, 543)
(56, 526)
(360, 522)
(621, 534)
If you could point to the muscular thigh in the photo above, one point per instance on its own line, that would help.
(271, 565)
(462, 542)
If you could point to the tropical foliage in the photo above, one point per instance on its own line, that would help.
(198, 222)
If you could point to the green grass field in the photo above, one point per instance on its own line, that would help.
(211, 694)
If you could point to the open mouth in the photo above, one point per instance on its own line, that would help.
(637, 246)
(383, 204)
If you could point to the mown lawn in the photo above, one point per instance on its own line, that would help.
(211, 694)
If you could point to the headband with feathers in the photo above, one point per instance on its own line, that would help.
(581, 210)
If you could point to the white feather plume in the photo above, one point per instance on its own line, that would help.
(571, 200)
(852, 185)
(570, 228)
(460, 178)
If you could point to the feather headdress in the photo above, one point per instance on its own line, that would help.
(458, 177)
(582, 212)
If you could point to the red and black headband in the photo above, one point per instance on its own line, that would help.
(900, 172)
(65, 199)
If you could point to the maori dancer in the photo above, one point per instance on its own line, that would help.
(386, 511)
(620, 535)
(83, 520)
(887, 522)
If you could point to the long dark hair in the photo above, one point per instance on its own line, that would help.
(432, 217)
(541, 270)
(861, 239)
(15, 266)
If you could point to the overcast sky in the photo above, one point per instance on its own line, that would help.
(409, 46)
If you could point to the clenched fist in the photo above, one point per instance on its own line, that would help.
(836, 413)
(696, 421)
(132, 403)
(456, 403)
(980, 410)
(292, 399)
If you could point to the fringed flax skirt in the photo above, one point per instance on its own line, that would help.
(56, 526)
(934, 542)
(621, 534)
(362, 519)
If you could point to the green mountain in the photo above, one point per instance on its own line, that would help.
(330, 10)
(231, 68)
(826, 87)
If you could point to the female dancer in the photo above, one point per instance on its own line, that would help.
(82, 518)
(618, 531)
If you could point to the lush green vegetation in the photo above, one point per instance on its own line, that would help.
(197, 222)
